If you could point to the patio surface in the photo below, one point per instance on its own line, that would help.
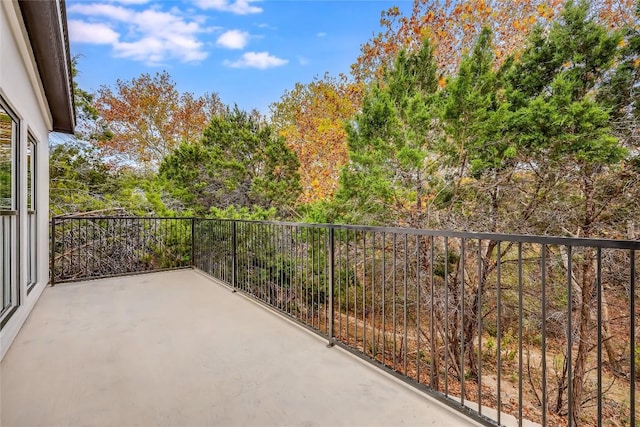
(179, 349)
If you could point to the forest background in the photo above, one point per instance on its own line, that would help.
(512, 117)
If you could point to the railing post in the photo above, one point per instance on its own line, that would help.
(193, 242)
(331, 283)
(53, 251)
(234, 267)
(632, 328)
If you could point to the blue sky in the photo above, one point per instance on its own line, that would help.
(247, 51)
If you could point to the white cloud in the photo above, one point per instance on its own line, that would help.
(239, 7)
(261, 60)
(149, 35)
(95, 33)
(267, 26)
(321, 34)
(130, 1)
(118, 13)
(303, 61)
(233, 39)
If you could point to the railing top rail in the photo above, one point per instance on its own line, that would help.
(516, 238)
(96, 217)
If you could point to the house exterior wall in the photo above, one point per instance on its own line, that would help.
(22, 92)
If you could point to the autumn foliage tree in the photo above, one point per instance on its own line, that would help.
(147, 117)
(311, 116)
(311, 119)
(453, 28)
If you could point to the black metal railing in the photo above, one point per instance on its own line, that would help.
(498, 326)
(87, 247)
(504, 328)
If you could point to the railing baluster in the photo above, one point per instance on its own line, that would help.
(445, 261)
(405, 324)
(599, 333)
(53, 251)
(568, 361)
(499, 330)
(432, 333)
(418, 307)
(364, 288)
(355, 291)
(383, 285)
(480, 325)
(543, 273)
(520, 333)
(461, 320)
(393, 304)
(331, 283)
(375, 339)
(234, 255)
(633, 369)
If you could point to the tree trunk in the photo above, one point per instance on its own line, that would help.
(584, 327)
(584, 307)
(607, 337)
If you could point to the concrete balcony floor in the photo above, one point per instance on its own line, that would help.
(178, 349)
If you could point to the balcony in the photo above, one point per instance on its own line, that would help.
(178, 348)
(452, 327)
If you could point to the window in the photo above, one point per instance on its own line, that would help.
(8, 211)
(32, 224)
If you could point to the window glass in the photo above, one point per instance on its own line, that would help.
(7, 131)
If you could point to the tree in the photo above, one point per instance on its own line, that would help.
(558, 120)
(81, 181)
(621, 90)
(87, 126)
(454, 27)
(239, 162)
(311, 119)
(477, 152)
(524, 145)
(565, 132)
(389, 140)
(147, 117)
(78, 179)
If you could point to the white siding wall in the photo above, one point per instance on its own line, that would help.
(21, 88)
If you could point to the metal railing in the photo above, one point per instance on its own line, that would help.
(497, 326)
(86, 247)
(503, 328)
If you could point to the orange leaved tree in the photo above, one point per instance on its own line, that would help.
(147, 117)
(311, 118)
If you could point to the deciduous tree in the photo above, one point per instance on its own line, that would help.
(147, 117)
(454, 27)
(311, 119)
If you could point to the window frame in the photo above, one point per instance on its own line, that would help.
(31, 189)
(11, 220)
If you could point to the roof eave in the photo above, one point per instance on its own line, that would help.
(46, 25)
